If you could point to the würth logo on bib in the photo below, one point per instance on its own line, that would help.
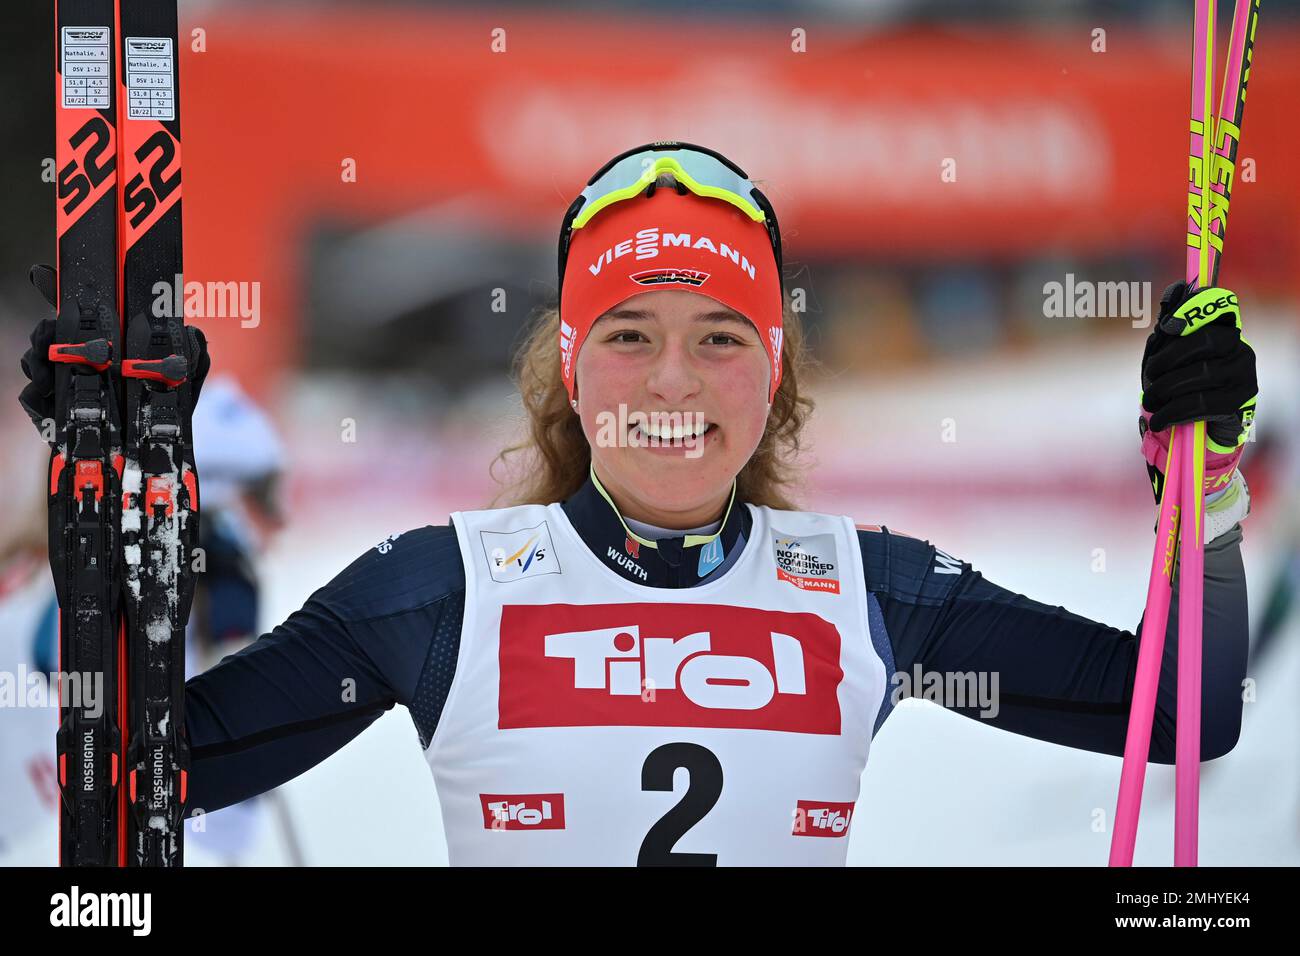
(808, 562)
(668, 665)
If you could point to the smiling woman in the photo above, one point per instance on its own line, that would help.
(650, 656)
(672, 319)
(639, 348)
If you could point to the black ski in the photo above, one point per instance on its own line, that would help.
(159, 481)
(123, 492)
(86, 464)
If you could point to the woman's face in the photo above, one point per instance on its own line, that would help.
(672, 393)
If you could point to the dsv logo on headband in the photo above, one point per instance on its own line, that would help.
(649, 241)
(661, 276)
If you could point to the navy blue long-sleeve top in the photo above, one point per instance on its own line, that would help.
(387, 629)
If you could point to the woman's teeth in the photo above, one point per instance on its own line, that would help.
(674, 433)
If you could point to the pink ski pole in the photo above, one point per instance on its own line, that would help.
(1210, 184)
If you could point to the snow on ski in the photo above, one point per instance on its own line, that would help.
(123, 488)
(159, 482)
(86, 465)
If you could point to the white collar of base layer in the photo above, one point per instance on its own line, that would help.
(653, 532)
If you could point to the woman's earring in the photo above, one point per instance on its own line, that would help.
(574, 403)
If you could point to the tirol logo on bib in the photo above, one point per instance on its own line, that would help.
(512, 555)
(522, 811)
(808, 561)
(816, 818)
(662, 665)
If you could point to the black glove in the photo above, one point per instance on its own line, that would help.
(1198, 367)
(37, 397)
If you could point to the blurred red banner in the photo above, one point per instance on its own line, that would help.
(928, 144)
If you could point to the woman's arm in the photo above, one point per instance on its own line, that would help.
(386, 630)
(1060, 677)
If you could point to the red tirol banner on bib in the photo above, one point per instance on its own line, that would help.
(656, 665)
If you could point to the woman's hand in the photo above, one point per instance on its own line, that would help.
(37, 397)
(1198, 367)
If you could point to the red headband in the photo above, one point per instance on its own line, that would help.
(669, 241)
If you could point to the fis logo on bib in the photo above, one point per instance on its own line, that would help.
(512, 555)
(808, 562)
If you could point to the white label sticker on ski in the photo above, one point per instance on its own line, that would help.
(150, 87)
(85, 55)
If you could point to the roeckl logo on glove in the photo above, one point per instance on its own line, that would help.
(1203, 312)
(683, 665)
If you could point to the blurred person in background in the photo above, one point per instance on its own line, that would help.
(1283, 591)
(241, 458)
(652, 599)
(28, 657)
